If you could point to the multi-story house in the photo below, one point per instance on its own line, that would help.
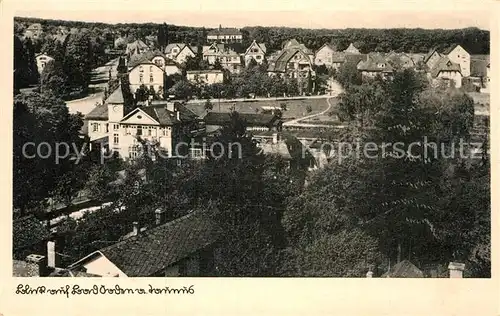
(457, 54)
(209, 76)
(448, 71)
(146, 73)
(157, 58)
(293, 61)
(324, 55)
(164, 124)
(225, 35)
(34, 31)
(180, 52)
(228, 58)
(256, 51)
(373, 65)
(41, 61)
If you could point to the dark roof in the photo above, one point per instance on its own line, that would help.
(429, 54)
(116, 97)
(251, 119)
(100, 112)
(444, 64)
(28, 231)
(157, 248)
(372, 62)
(404, 269)
(147, 57)
(225, 31)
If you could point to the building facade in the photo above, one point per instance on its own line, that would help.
(256, 51)
(225, 35)
(41, 61)
(205, 76)
(148, 74)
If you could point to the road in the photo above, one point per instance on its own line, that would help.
(197, 101)
(296, 122)
(98, 82)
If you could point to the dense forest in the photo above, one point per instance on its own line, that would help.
(416, 40)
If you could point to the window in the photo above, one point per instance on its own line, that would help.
(115, 139)
(141, 78)
(141, 69)
(95, 127)
(139, 131)
(150, 68)
(127, 130)
(43, 64)
(116, 127)
(164, 131)
(150, 131)
(134, 151)
(258, 57)
(151, 79)
(107, 128)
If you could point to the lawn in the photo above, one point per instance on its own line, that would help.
(295, 108)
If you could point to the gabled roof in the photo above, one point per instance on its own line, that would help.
(158, 248)
(449, 49)
(145, 62)
(429, 55)
(351, 49)
(280, 63)
(404, 269)
(144, 58)
(158, 112)
(28, 231)
(328, 45)
(169, 47)
(444, 64)
(261, 46)
(224, 31)
(372, 64)
(291, 43)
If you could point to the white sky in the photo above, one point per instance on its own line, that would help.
(292, 13)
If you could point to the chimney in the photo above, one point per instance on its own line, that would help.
(39, 264)
(135, 229)
(159, 216)
(456, 269)
(51, 254)
(220, 27)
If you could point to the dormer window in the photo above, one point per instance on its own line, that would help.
(141, 69)
(381, 65)
(448, 63)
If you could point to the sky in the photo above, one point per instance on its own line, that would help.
(292, 13)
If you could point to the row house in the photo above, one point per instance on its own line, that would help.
(256, 51)
(225, 35)
(179, 52)
(162, 123)
(225, 55)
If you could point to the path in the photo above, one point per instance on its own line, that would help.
(99, 79)
(297, 123)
